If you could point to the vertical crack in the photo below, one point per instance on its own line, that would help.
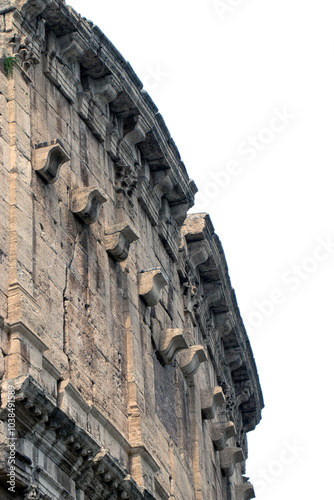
(65, 299)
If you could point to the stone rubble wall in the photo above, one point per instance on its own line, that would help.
(120, 330)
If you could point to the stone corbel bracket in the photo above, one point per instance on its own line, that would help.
(48, 158)
(136, 135)
(221, 432)
(225, 324)
(71, 47)
(191, 359)
(198, 252)
(103, 89)
(210, 400)
(117, 240)
(229, 457)
(244, 491)
(86, 203)
(234, 358)
(171, 342)
(151, 282)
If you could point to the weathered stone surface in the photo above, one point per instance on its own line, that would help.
(190, 360)
(171, 341)
(119, 328)
(211, 399)
(117, 240)
(48, 158)
(244, 491)
(86, 203)
(221, 432)
(229, 457)
(151, 283)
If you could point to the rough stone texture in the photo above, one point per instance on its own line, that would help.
(119, 328)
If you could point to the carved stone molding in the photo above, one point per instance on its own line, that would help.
(190, 359)
(126, 177)
(210, 399)
(244, 491)
(48, 158)
(229, 457)
(22, 50)
(117, 240)
(191, 297)
(33, 493)
(86, 203)
(151, 282)
(221, 432)
(171, 342)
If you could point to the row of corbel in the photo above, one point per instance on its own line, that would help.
(104, 92)
(209, 302)
(86, 202)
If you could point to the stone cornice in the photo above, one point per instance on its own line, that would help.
(80, 40)
(218, 298)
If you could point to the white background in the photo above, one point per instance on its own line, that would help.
(219, 73)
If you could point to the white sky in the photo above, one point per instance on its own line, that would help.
(221, 72)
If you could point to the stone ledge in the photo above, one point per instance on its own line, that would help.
(90, 463)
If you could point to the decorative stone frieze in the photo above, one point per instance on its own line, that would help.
(150, 283)
(221, 432)
(126, 177)
(48, 158)
(117, 240)
(22, 49)
(229, 457)
(244, 491)
(33, 493)
(170, 343)
(86, 203)
(211, 399)
(190, 359)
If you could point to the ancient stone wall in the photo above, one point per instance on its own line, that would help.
(121, 339)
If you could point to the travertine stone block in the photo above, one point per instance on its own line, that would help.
(221, 432)
(86, 203)
(48, 158)
(150, 284)
(114, 381)
(244, 491)
(190, 359)
(117, 240)
(171, 342)
(211, 399)
(229, 457)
